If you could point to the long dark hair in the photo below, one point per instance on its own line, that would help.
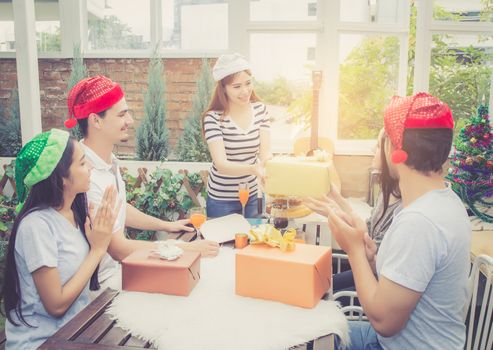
(45, 194)
(388, 184)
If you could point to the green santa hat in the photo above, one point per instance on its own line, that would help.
(37, 160)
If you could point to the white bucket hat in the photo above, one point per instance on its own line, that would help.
(229, 64)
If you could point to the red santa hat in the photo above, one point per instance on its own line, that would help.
(412, 112)
(91, 95)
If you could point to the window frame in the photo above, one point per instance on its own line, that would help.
(426, 27)
(327, 27)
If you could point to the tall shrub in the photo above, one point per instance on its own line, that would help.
(10, 128)
(78, 71)
(152, 134)
(191, 145)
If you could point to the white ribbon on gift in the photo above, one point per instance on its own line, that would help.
(168, 251)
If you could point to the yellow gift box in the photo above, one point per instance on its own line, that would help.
(299, 277)
(298, 176)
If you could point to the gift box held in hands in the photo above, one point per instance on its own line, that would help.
(143, 271)
(299, 277)
(298, 176)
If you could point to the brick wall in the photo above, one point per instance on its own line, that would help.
(8, 82)
(130, 73)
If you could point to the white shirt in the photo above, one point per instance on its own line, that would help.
(102, 176)
(426, 249)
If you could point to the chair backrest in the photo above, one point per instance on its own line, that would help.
(480, 318)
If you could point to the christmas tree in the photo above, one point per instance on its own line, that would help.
(471, 171)
(191, 145)
(152, 134)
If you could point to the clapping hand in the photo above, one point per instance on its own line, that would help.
(99, 226)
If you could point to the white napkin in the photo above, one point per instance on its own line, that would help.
(223, 229)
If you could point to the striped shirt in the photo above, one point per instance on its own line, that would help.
(241, 146)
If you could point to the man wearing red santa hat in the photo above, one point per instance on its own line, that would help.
(98, 105)
(417, 302)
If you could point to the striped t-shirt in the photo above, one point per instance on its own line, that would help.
(241, 146)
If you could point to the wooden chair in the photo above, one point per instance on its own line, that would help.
(480, 319)
(353, 311)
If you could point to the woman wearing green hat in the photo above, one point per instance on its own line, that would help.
(54, 247)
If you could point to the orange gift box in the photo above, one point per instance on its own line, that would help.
(143, 271)
(299, 277)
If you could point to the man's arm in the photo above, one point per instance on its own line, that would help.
(120, 246)
(136, 219)
(387, 304)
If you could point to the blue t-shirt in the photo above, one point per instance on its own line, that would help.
(44, 238)
(426, 249)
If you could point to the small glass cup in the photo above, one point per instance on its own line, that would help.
(243, 194)
(197, 218)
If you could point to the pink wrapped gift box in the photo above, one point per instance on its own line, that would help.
(143, 271)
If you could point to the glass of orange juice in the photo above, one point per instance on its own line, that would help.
(197, 218)
(243, 193)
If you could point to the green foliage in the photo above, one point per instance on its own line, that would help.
(152, 134)
(300, 108)
(281, 92)
(278, 92)
(49, 42)
(110, 33)
(459, 76)
(7, 207)
(191, 145)
(368, 78)
(163, 196)
(78, 71)
(10, 128)
(7, 217)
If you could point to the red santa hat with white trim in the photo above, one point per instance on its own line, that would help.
(420, 111)
(91, 95)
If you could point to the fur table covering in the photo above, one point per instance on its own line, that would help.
(214, 317)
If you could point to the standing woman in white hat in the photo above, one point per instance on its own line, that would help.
(236, 128)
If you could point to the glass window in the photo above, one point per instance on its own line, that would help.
(368, 78)
(461, 64)
(114, 25)
(282, 66)
(278, 10)
(47, 16)
(7, 38)
(195, 26)
(463, 11)
(370, 11)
